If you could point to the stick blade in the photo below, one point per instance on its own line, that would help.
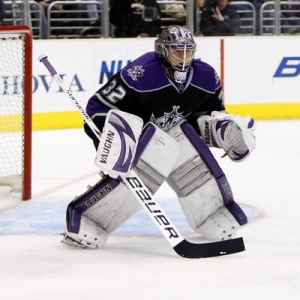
(220, 248)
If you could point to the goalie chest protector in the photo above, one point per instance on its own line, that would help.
(149, 94)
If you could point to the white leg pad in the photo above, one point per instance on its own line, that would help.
(90, 235)
(201, 203)
(199, 193)
(219, 226)
(158, 158)
(108, 204)
(114, 209)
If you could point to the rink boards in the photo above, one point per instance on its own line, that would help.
(260, 75)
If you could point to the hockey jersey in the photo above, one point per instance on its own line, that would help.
(143, 89)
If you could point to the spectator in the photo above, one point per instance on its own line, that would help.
(95, 20)
(135, 18)
(92, 13)
(218, 19)
(289, 16)
(69, 16)
(246, 12)
(293, 16)
(198, 8)
(175, 11)
(35, 16)
(45, 4)
(1, 12)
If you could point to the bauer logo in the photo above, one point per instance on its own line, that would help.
(146, 199)
(289, 67)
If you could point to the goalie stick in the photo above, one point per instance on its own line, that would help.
(181, 246)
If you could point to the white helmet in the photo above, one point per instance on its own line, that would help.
(171, 40)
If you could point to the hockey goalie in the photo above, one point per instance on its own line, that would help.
(159, 116)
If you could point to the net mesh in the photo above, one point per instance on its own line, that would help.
(12, 61)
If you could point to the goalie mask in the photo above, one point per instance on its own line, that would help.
(175, 48)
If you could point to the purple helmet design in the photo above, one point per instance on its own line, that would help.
(175, 48)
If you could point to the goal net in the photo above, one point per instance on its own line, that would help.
(15, 109)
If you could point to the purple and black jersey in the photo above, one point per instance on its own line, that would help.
(143, 89)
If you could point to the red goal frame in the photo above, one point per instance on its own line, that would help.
(27, 117)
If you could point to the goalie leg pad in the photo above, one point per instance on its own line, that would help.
(118, 142)
(109, 203)
(104, 206)
(155, 146)
(202, 187)
(90, 235)
(219, 226)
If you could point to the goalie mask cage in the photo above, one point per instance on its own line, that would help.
(16, 108)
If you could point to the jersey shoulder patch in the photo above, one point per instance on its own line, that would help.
(145, 73)
(205, 76)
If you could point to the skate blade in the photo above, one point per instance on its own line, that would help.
(70, 242)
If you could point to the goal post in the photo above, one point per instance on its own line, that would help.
(16, 109)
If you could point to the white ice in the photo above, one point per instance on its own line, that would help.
(137, 262)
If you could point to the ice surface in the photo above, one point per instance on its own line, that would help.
(137, 262)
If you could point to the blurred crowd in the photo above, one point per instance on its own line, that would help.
(146, 18)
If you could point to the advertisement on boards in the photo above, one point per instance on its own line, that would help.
(261, 75)
(86, 65)
(262, 70)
